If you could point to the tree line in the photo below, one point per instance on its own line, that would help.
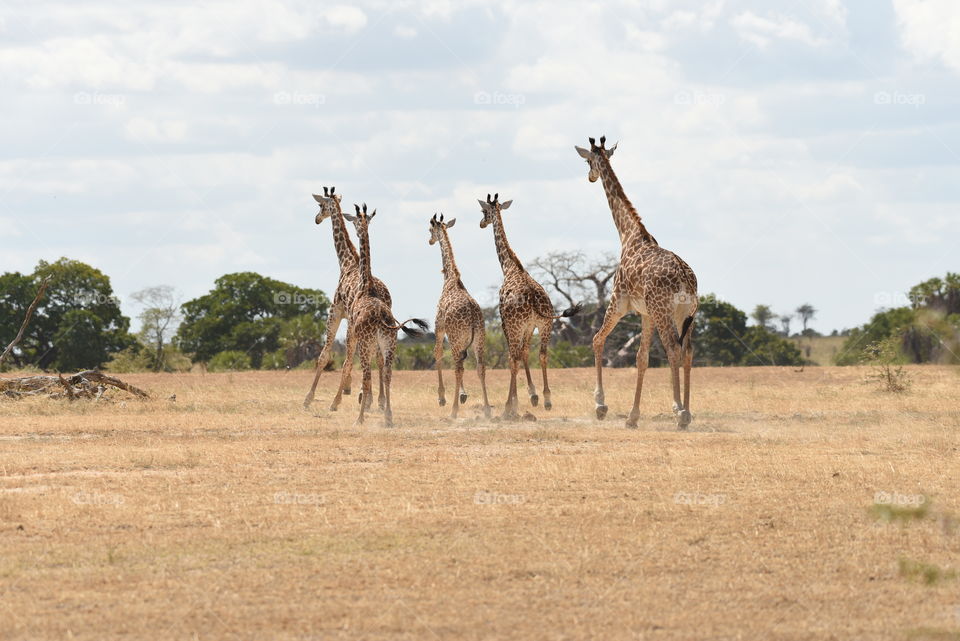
(249, 321)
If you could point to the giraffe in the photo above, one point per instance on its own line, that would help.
(347, 288)
(459, 318)
(374, 327)
(524, 306)
(655, 283)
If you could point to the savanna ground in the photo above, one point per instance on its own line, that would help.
(231, 513)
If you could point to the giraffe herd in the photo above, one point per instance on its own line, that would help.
(650, 281)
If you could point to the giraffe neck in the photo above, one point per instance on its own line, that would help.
(625, 216)
(366, 275)
(450, 271)
(508, 260)
(346, 252)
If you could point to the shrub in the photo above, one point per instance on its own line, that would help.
(229, 361)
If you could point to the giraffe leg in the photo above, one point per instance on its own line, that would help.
(458, 357)
(610, 319)
(347, 367)
(333, 324)
(479, 348)
(438, 358)
(668, 338)
(365, 388)
(531, 388)
(515, 347)
(643, 360)
(546, 329)
(389, 352)
(685, 416)
(381, 400)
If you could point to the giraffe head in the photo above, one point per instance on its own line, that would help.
(437, 225)
(329, 204)
(594, 155)
(361, 220)
(492, 207)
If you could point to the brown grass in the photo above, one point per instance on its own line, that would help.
(231, 513)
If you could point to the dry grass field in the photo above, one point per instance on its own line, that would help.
(231, 513)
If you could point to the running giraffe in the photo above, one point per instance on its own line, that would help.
(524, 306)
(459, 318)
(651, 281)
(374, 327)
(347, 288)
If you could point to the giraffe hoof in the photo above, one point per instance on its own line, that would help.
(442, 401)
(534, 400)
(346, 390)
(381, 404)
(632, 423)
(683, 419)
(509, 416)
(601, 412)
(463, 399)
(547, 405)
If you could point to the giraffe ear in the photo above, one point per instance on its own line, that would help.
(350, 217)
(612, 149)
(483, 205)
(317, 198)
(370, 217)
(451, 223)
(339, 198)
(583, 152)
(505, 205)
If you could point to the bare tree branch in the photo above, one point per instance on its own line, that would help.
(26, 320)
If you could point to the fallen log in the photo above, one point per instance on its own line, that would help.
(90, 384)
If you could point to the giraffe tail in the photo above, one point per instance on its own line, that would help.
(570, 311)
(413, 332)
(687, 323)
(473, 333)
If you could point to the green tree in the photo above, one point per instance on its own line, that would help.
(245, 312)
(229, 361)
(78, 323)
(762, 314)
(807, 313)
(719, 330)
(882, 325)
(764, 347)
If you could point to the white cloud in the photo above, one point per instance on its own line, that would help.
(929, 28)
(143, 130)
(762, 31)
(352, 19)
(717, 165)
(405, 32)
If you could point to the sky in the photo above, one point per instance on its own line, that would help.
(791, 152)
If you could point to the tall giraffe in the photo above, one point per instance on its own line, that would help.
(524, 306)
(459, 318)
(651, 281)
(374, 329)
(347, 288)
